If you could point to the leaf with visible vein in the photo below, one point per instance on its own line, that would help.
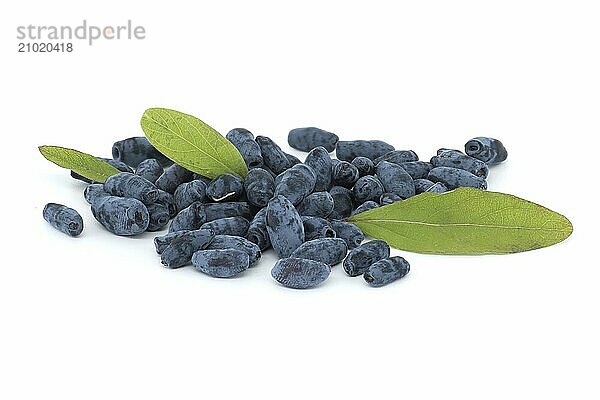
(191, 143)
(464, 221)
(84, 164)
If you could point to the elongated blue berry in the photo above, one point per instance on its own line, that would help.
(342, 202)
(159, 217)
(461, 161)
(330, 251)
(225, 187)
(386, 271)
(259, 186)
(162, 242)
(132, 151)
(122, 216)
(454, 178)
(306, 139)
(315, 227)
(417, 169)
(227, 242)
(257, 231)
(317, 204)
(214, 211)
(94, 191)
(395, 179)
(63, 218)
(150, 169)
(349, 150)
(167, 200)
(126, 184)
(220, 263)
(361, 258)
(243, 140)
(344, 174)
(367, 188)
(300, 273)
(172, 177)
(351, 234)
(296, 183)
(179, 252)
(189, 219)
(486, 149)
(233, 226)
(397, 157)
(286, 231)
(273, 156)
(319, 161)
(364, 165)
(188, 193)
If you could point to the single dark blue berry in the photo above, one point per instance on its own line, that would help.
(233, 226)
(386, 271)
(228, 242)
(172, 177)
(94, 191)
(345, 174)
(317, 204)
(300, 273)
(286, 231)
(126, 184)
(188, 193)
(306, 139)
(122, 216)
(159, 217)
(296, 183)
(320, 162)
(179, 252)
(134, 150)
(361, 258)
(461, 161)
(225, 187)
(150, 169)
(220, 263)
(417, 169)
(342, 202)
(259, 186)
(395, 179)
(349, 150)
(315, 227)
(367, 188)
(397, 157)
(486, 149)
(330, 251)
(273, 156)
(257, 231)
(63, 218)
(351, 234)
(162, 242)
(189, 219)
(243, 140)
(454, 178)
(214, 211)
(364, 165)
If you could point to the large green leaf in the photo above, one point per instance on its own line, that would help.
(84, 164)
(465, 221)
(191, 143)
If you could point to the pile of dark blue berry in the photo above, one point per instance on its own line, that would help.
(222, 225)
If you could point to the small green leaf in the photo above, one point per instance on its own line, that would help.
(84, 164)
(191, 143)
(464, 221)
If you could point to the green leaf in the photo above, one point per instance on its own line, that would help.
(84, 164)
(464, 221)
(191, 143)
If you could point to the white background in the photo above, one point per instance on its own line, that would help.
(97, 317)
